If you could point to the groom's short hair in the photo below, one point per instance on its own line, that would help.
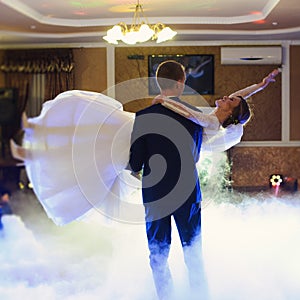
(168, 73)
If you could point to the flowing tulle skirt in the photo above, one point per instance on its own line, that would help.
(77, 150)
(76, 155)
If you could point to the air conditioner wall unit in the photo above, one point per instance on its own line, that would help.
(251, 55)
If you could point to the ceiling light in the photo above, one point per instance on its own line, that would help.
(139, 31)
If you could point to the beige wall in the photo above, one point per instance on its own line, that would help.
(294, 93)
(252, 166)
(90, 69)
(266, 106)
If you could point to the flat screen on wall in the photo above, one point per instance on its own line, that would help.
(199, 70)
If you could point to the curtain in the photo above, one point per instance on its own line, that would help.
(36, 95)
(19, 67)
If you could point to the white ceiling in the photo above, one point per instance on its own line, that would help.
(62, 22)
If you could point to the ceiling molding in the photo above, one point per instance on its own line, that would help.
(30, 12)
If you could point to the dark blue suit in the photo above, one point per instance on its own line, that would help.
(166, 146)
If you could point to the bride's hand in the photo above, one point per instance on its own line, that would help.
(270, 77)
(158, 99)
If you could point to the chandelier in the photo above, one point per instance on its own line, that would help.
(139, 31)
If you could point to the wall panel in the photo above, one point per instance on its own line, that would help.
(294, 93)
(90, 69)
(252, 166)
(266, 106)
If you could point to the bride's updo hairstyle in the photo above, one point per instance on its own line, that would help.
(240, 114)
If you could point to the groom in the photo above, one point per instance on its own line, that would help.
(165, 148)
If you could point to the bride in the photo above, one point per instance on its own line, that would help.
(76, 151)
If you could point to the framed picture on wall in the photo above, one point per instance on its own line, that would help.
(199, 70)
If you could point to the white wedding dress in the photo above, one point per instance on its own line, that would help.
(76, 153)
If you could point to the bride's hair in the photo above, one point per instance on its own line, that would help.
(240, 114)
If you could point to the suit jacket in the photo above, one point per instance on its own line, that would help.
(166, 146)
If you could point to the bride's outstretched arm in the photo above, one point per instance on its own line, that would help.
(254, 88)
(211, 121)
